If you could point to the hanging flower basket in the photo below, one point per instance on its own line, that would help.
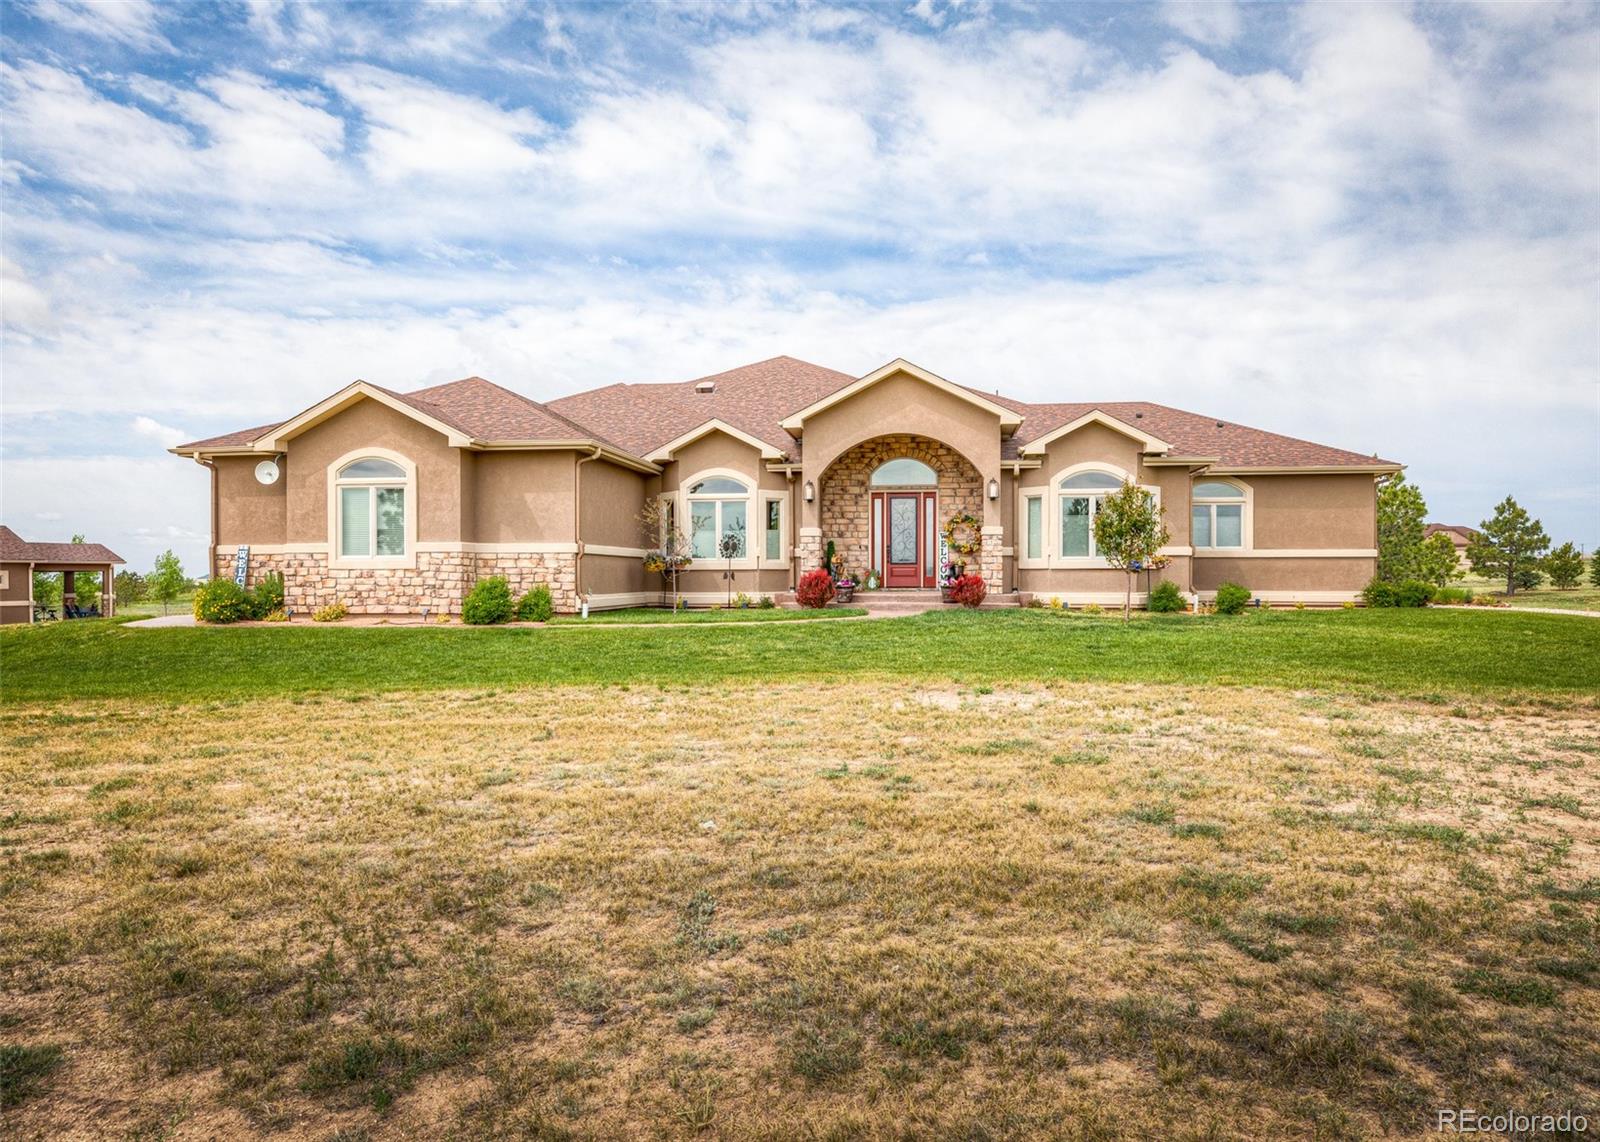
(659, 562)
(963, 534)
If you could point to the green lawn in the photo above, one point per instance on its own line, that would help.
(1584, 597)
(735, 615)
(1415, 652)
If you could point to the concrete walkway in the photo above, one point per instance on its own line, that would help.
(163, 621)
(1533, 611)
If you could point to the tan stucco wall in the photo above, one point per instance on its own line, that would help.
(18, 578)
(1315, 511)
(616, 574)
(247, 510)
(1286, 574)
(523, 497)
(719, 450)
(369, 424)
(613, 498)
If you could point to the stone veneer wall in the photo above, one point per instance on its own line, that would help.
(440, 580)
(846, 514)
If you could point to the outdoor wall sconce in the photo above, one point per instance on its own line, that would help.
(810, 491)
(994, 488)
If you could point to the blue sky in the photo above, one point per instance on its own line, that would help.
(1373, 226)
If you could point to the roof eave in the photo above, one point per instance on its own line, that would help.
(1376, 468)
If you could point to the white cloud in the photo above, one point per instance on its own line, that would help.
(1216, 23)
(131, 22)
(164, 434)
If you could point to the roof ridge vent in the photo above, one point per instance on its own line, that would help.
(705, 386)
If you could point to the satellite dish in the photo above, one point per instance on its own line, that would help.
(267, 472)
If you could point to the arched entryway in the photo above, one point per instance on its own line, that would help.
(885, 502)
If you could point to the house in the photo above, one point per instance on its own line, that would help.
(19, 559)
(392, 502)
(1458, 534)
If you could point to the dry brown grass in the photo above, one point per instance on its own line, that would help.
(862, 911)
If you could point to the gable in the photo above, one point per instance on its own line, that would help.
(1147, 441)
(349, 397)
(1007, 419)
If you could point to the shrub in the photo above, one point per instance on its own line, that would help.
(1166, 598)
(969, 590)
(221, 601)
(1452, 596)
(767, 603)
(1232, 599)
(1094, 609)
(1412, 593)
(536, 606)
(331, 613)
(815, 589)
(267, 596)
(488, 602)
(276, 616)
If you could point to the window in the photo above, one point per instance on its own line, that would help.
(1216, 515)
(1035, 547)
(718, 507)
(371, 498)
(1080, 502)
(905, 473)
(774, 528)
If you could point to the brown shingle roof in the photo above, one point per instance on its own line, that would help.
(753, 398)
(15, 549)
(639, 418)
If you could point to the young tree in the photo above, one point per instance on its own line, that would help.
(1401, 510)
(1564, 565)
(1508, 544)
(1436, 560)
(669, 545)
(1128, 531)
(167, 580)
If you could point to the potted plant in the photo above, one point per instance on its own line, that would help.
(844, 589)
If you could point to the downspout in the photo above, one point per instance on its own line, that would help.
(577, 522)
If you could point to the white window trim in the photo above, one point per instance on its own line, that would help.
(782, 500)
(754, 525)
(409, 483)
(1053, 495)
(1246, 521)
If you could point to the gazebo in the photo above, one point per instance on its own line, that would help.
(19, 559)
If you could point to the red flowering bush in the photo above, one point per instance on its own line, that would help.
(815, 589)
(969, 590)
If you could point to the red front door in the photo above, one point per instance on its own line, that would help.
(902, 539)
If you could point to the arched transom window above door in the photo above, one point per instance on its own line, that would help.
(904, 473)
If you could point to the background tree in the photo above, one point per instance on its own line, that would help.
(1508, 544)
(1128, 531)
(1436, 560)
(130, 587)
(1401, 510)
(1564, 565)
(47, 590)
(167, 581)
(85, 584)
(1594, 569)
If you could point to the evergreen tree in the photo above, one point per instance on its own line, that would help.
(130, 586)
(1509, 544)
(1401, 510)
(1436, 560)
(1564, 565)
(1594, 569)
(1128, 531)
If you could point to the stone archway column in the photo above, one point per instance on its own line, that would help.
(991, 556)
(808, 540)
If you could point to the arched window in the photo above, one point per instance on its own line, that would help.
(1080, 496)
(370, 497)
(905, 473)
(1216, 515)
(719, 506)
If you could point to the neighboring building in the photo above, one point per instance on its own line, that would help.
(1459, 535)
(391, 502)
(19, 559)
